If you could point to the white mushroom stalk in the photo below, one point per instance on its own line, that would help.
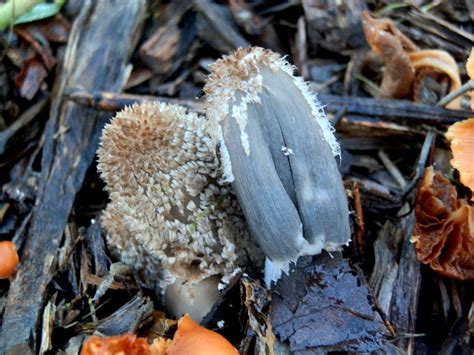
(278, 149)
(168, 214)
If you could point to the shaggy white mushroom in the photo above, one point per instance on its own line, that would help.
(173, 213)
(169, 215)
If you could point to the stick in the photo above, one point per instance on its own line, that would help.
(383, 109)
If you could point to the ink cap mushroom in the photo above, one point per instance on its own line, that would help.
(278, 150)
(170, 215)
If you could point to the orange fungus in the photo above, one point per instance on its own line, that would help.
(192, 339)
(189, 339)
(444, 229)
(8, 259)
(121, 344)
(461, 135)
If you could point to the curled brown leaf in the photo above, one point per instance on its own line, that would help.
(439, 61)
(385, 39)
(444, 229)
(404, 62)
(29, 80)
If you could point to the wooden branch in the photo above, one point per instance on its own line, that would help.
(113, 102)
(219, 29)
(101, 40)
(399, 111)
(393, 110)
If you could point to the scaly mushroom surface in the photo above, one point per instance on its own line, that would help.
(169, 214)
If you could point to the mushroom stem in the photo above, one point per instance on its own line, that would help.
(195, 299)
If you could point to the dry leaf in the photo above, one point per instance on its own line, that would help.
(403, 60)
(441, 62)
(29, 80)
(392, 46)
(257, 302)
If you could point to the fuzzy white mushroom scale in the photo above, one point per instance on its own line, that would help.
(168, 214)
(236, 80)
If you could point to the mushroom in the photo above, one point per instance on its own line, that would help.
(461, 135)
(470, 73)
(170, 214)
(8, 259)
(190, 339)
(441, 62)
(277, 148)
(121, 344)
(172, 211)
(444, 229)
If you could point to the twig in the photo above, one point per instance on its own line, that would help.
(382, 109)
(359, 216)
(456, 93)
(394, 110)
(422, 160)
(25, 118)
(444, 298)
(456, 302)
(392, 169)
(112, 102)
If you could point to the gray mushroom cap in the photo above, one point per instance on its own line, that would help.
(278, 151)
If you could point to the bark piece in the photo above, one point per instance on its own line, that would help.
(128, 318)
(334, 25)
(169, 45)
(217, 27)
(321, 306)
